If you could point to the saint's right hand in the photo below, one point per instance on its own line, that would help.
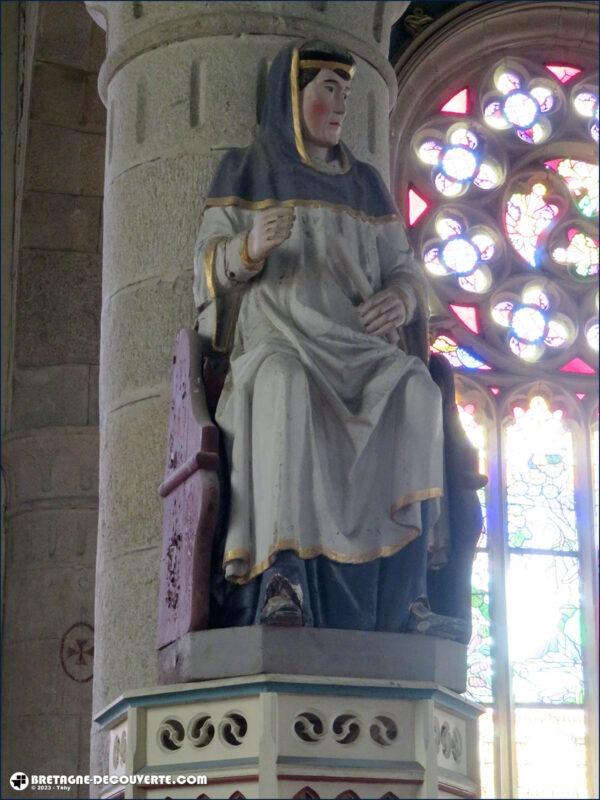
(271, 227)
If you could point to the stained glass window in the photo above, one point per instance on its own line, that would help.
(545, 629)
(544, 632)
(585, 103)
(458, 356)
(546, 739)
(479, 654)
(533, 325)
(578, 366)
(581, 180)
(579, 253)
(509, 244)
(562, 72)
(468, 315)
(526, 218)
(457, 104)
(543, 590)
(479, 682)
(417, 206)
(540, 479)
(488, 224)
(477, 434)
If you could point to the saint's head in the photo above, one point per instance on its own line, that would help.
(324, 78)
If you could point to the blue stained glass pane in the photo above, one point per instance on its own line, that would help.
(520, 109)
(540, 480)
(469, 360)
(544, 633)
(459, 163)
(479, 660)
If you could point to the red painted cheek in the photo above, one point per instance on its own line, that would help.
(318, 108)
(315, 113)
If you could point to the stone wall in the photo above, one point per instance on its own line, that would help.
(51, 445)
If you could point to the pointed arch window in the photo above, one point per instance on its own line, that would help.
(495, 168)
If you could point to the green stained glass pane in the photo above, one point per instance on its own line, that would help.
(479, 659)
(540, 479)
(544, 633)
(581, 179)
(551, 756)
(476, 432)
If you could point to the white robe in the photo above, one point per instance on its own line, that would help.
(334, 436)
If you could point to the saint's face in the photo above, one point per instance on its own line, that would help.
(323, 104)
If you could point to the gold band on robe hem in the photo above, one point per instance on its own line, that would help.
(312, 552)
(415, 497)
(260, 205)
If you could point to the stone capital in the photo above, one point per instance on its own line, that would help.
(140, 27)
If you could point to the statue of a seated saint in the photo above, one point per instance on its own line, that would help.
(331, 422)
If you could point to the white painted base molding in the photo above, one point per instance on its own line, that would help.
(282, 736)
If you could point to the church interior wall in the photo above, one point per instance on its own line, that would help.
(54, 125)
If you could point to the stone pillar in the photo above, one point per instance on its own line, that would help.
(51, 522)
(182, 83)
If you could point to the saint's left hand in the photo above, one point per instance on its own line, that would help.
(382, 313)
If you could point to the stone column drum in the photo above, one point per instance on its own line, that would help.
(182, 83)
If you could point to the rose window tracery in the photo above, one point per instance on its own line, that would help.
(503, 187)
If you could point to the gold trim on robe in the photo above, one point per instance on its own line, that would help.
(226, 311)
(415, 497)
(210, 255)
(312, 552)
(313, 63)
(296, 118)
(259, 205)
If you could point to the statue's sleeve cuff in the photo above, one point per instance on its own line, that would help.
(234, 265)
(407, 294)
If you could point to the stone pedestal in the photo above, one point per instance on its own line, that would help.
(319, 730)
(256, 649)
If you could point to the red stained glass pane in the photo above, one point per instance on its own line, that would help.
(468, 316)
(417, 206)
(579, 366)
(562, 72)
(458, 103)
